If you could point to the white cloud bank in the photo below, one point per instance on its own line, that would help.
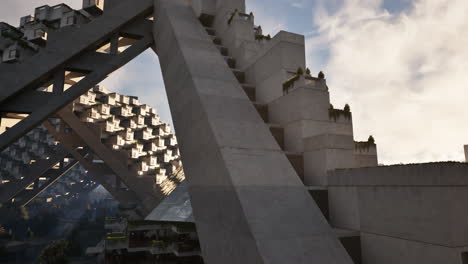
(405, 75)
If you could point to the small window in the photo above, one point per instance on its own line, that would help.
(12, 54)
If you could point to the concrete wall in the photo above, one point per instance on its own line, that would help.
(268, 70)
(406, 214)
(391, 250)
(323, 153)
(365, 157)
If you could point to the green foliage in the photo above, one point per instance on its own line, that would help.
(365, 145)
(232, 16)
(116, 236)
(55, 253)
(335, 114)
(347, 109)
(290, 82)
(262, 37)
(321, 75)
(300, 71)
(159, 244)
(308, 71)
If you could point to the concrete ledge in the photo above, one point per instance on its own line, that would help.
(328, 141)
(429, 174)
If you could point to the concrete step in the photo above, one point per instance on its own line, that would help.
(210, 31)
(250, 91)
(320, 196)
(351, 241)
(231, 62)
(240, 75)
(216, 40)
(223, 50)
(297, 161)
(262, 110)
(206, 20)
(278, 133)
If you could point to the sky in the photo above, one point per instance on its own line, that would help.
(402, 66)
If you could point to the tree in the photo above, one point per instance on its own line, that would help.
(347, 109)
(371, 140)
(321, 75)
(55, 253)
(300, 71)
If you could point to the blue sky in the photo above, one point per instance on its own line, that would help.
(400, 64)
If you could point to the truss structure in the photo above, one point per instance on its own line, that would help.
(247, 190)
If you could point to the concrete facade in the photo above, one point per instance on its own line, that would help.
(273, 170)
(405, 214)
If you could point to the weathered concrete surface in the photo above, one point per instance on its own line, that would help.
(390, 250)
(248, 202)
(409, 210)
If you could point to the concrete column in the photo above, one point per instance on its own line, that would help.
(248, 203)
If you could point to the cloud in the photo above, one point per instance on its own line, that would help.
(297, 4)
(405, 75)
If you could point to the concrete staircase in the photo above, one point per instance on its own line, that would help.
(349, 239)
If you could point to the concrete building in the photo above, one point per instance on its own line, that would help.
(274, 172)
(129, 133)
(167, 234)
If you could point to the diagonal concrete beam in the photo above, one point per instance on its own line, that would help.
(144, 186)
(68, 44)
(53, 177)
(34, 172)
(95, 171)
(248, 202)
(55, 103)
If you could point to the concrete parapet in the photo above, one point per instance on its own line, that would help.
(270, 67)
(304, 113)
(420, 206)
(365, 155)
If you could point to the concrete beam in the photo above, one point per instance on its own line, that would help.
(67, 45)
(249, 204)
(34, 172)
(52, 178)
(48, 108)
(99, 172)
(26, 103)
(144, 187)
